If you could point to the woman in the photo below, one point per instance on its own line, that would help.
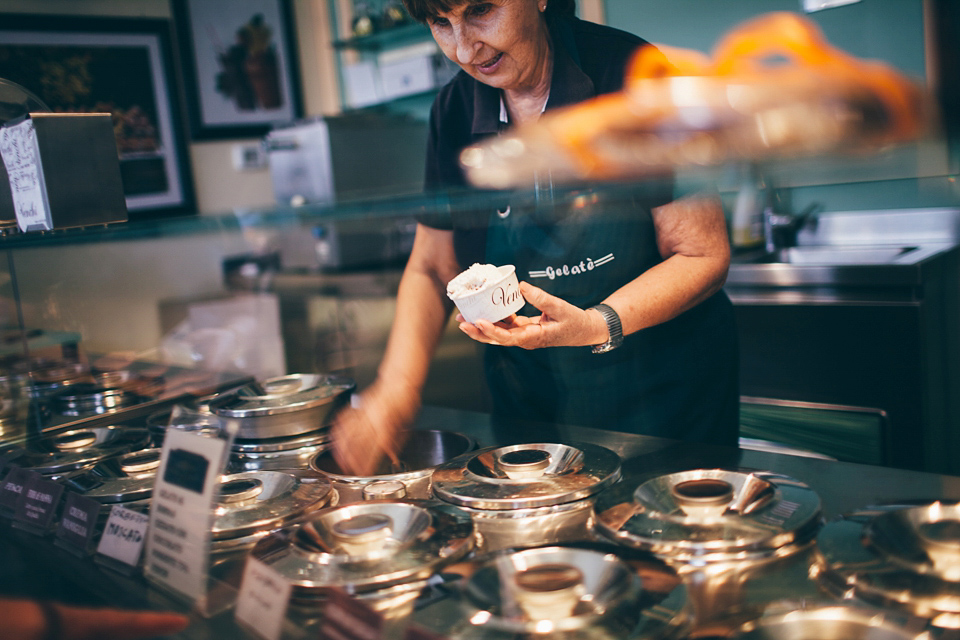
(655, 275)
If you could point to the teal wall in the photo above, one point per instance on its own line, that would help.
(888, 30)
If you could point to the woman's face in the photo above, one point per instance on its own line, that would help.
(502, 43)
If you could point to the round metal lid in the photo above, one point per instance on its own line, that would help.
(254, 501)
(711, 513)
(826, 621)
(562, 589)
(265, 445)
(284, 394)
(526, 475)
(896, 555)
(56, 453)
(124, 478)
(55, 376)
(84, 398)
(191, 414)
(293, 461)
(61, 372)
(367, 546)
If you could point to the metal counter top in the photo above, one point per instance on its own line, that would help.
(32, 566)
(880, 249)
(842, 486)
(904, 270)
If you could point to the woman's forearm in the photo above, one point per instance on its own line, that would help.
(422, 310)
(666, 290)
(692, 236)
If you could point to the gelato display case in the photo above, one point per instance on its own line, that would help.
(224, 476)
(544, 531)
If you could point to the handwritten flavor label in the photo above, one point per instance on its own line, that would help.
(78, 522)
(38, 502)
(181, 512)
(124, 535)
(21, 157)
(262, 603)
(13, 484)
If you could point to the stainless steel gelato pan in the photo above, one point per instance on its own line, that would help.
(367, 547)
(712, 515)
(572, 593)
(253, 503)
(283, 406)
(530, 494)
(901, 557)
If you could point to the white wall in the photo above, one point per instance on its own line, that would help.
(219, 187)
(111, 293)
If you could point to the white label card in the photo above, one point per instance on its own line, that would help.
(263, 599)
(182, 511)
(21, 157)
(123, 535)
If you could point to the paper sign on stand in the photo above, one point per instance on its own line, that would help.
(37, 504)
(12, 487)
(181, 516)
(122, 541)
(21, 157)
(262, 602)
(78, 524)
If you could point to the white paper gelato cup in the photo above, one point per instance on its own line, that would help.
(496, 300)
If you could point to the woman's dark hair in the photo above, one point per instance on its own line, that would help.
(422, 10)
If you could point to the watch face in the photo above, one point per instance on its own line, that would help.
(607, 346)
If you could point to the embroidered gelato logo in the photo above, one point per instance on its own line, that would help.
(566, 270)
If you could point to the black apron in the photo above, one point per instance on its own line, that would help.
(675, 380)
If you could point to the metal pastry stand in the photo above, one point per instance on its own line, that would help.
(32, 565)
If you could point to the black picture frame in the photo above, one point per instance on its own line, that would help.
(240, 68)
(124, 66)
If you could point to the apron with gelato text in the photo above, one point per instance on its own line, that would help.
(675, 380)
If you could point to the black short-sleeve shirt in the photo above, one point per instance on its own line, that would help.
(677, 379)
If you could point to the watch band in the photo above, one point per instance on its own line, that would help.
(613, 327)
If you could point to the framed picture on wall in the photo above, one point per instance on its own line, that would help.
(239, 65)
(121, 66)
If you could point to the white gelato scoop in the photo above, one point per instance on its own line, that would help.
(477, 277)
(487, 292)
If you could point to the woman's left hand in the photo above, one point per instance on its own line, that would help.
(560, 324)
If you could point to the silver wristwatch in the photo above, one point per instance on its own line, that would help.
(613, 326)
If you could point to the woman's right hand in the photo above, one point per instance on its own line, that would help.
(373, 426)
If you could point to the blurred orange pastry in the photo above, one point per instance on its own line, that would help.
(662, 60)
(772, 86)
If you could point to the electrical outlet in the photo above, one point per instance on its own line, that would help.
(249, 157)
